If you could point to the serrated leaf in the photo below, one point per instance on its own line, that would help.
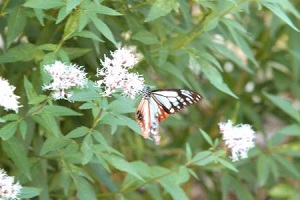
(73, 53)
(23, 128)
(280, 13)
(87, 34)
(71, 4)
(284, 105)
(62, 14)
(29, 192)
(172, 69)
(214, 77)
(60, 111)
(121, 164)
(203, 158)
(78, 132)
(85, 96)
(288, 165)
(146, 37)
(87, 149)
(122, 105)
(15, 149)
(53, 144)
(263, 169)
(42, 4)
(227, 164)
(16, 23)
(188, 152)
(8, 130)
(161, 8)
(40, 15)
(104, 29)
(33, 97)
(291, 130)
(93, 7)
(48, 122)
(83, 19)
(23, 52)
(206, 137)
(71, 25)
(99, 138)
(85, 190)
(168, 182)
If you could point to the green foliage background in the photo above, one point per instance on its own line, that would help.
(91, 148)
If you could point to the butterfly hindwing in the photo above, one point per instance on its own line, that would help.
(147, 116)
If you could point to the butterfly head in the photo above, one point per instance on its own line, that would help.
(146, 92)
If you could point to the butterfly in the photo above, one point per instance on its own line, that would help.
(157, 105)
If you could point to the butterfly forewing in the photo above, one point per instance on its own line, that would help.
(173, 100)
(157, 105)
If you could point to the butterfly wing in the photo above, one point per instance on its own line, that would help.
(171, 101)
(147, 117)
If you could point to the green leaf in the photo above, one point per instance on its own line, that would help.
(62, 14)
(170, 68)
(42, 4)
(76, 52)
(60, 111)
(121, 164)
(16, 23)
(146, 37)
(23, 52)
(203, 158)
(169, 183)
(263, 168)
(104, 29)
(71, 4)
(8, 130)
(29, 192)
(23, 128)
(15, 149)
(284, 105)
(40, 15)
(85, 190)
(47, 121)
(71, 25)
(241, 190)
(87, 149)
(33, 97)
(280, 13)
(161, 8)
(188, 152)
(78, 132)
(291, 130)
(122, 105)
(53, 144)
(99, 138)
(87, 34)
(206, 137)
(288, 165)
(93, 7)
(85, 96)
(213, 75)
(227, 164)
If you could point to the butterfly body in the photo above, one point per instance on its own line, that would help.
(157, 105)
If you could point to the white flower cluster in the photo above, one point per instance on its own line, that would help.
(116, 76)
(9, 188)
(238, 138)
(64, 78)
(8, 99)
